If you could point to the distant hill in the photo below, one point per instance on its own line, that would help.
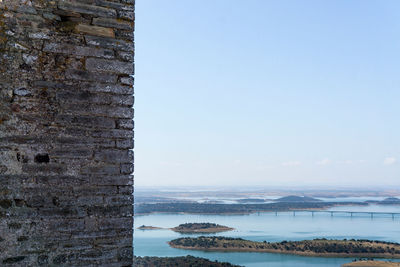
(297, 199)
(390, 200)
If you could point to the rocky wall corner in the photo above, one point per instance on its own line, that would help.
(66, 132)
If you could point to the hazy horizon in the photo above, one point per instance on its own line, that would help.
(267, 93)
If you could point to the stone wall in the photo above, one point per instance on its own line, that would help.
(66, 132)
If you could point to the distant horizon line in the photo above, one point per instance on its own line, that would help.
(274, 187)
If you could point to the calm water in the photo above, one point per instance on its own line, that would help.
(268, 226)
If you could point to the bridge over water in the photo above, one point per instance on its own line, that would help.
(372, 214)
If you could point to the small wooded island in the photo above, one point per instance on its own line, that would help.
(195, 228)
(201, 228)
(148, 227)
(316, 247)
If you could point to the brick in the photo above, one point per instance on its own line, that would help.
(125, 124)
(44, 169)
(109, 88)
(112, 180)
(125, 56)
(101, 169)
(38, 35)
(119, 200)
(115, 5)
(114, 156)
(116, 223)
(126, 80)
(122, 100)
(126, 168)
(76, 153)
(128, 190)
(92, 190)
(88, 121)
(86, 8)
(117, 133)
(98, 110)
(96, 64)
(95, 30)
(78, 50)
(90, 76)
(124, 14)
(126, 143)
(124, 34)
(110, 43)
(113, 23)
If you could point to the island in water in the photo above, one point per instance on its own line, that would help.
(317, 247)
(178, 261)
(201, 228)
(195, 228)
(148, 227)
(371, 263)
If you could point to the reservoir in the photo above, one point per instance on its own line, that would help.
(270, 227)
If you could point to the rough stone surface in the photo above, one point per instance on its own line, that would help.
(66, 132)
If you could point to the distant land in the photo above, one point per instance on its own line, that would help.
(259, 192)
(251, 200)
(178, 261)
(205, 208)
(371, 263)
(297, 199)
(314, 248)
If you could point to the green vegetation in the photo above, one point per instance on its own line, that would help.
(178, 261)
(200, 228)
(316, 247)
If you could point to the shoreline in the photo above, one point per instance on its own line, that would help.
(298, 253)
(326, 248)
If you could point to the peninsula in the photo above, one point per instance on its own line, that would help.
(371, 263)
(178, 261)
(316, 247)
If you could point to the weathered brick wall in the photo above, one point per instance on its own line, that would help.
(66, 132)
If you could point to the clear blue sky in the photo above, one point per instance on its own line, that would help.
(263, 92)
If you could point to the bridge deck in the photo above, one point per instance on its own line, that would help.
(351, 213)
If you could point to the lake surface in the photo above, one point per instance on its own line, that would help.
(270, 227)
